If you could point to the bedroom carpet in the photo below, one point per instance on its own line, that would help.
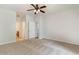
(39, 47)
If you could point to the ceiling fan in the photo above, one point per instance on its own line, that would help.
(37, 9)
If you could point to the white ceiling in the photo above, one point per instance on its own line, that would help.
(15, 7)
(24, 7)
(12, 7)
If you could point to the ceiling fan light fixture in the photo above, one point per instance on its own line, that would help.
(37, 11)
(34, 10)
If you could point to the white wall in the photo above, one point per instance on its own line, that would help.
(7, 26)
(31, 28)
(62, 25)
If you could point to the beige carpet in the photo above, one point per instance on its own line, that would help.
(39, 47)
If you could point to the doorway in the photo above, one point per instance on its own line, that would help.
(20, 28)
(20, 31)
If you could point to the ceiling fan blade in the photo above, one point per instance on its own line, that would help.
(30, 9)
(42, 11)
(37, 6)
(42, 7)
(33, 5)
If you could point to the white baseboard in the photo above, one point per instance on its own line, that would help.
(62, 41)
(2, 43)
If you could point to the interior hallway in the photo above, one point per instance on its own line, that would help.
(39, 47)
